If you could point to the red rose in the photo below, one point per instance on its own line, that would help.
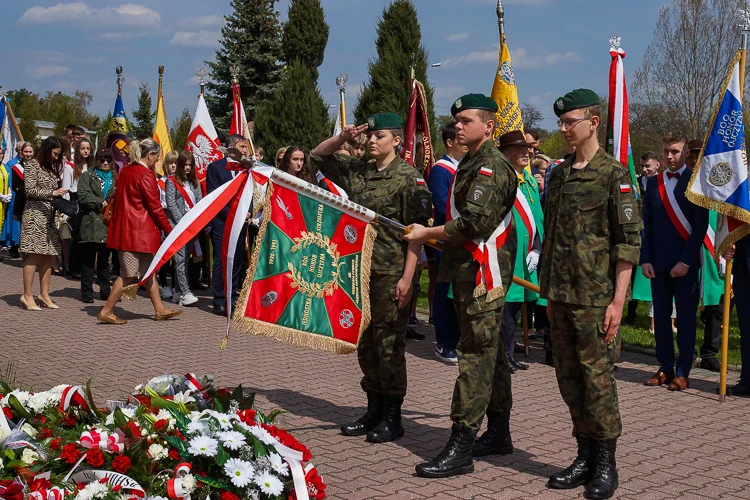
(226, 495)
(44, 433)
(69, 421)
(70, 453)
(138, 494)
(179, 435)
(174, 454)
(121, 464)
(14, 490)
(40, 419)
(134, 428)
(247, 416)
(117, 488)
(55, 444)
(8, 413)
(160, 425)
(94, 458)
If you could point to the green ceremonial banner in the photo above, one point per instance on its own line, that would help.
(308, 281)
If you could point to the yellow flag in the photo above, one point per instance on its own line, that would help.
(161, 130)
(505, 94)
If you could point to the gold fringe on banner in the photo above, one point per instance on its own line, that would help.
(291, 335)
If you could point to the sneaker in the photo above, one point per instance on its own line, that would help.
(446, 355)
(166, 293)
(188, 299)
(413, 321)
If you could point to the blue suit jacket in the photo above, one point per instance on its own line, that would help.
(216, 175)
(440, 182)
(662, 246)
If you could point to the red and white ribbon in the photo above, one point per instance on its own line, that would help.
(193, 383)
(175, 489)
(111, 443)
(527, 216)
(182, 468)
(72, 395)
(53, 493)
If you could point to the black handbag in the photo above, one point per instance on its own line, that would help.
(66, 207)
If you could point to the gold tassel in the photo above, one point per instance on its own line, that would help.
(480, 290)
(130, 292)
(224, 342)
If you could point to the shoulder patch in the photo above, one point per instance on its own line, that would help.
(626, 211)
(420, 181)
(485, 171)
(478, 194)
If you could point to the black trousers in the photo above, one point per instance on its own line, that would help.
(217, 276)
(94, 261)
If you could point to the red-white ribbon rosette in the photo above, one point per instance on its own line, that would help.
(112, 443)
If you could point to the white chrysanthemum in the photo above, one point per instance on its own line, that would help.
(241, 473)
(197, 427)
(93, 490)
(29, 430)
(189, 483)
(232, 439)
(225, 419)
(261, 434)
(278, 464)
(29, 456)
(129, 414)
(269, 484)
(195, 415)
(21, 396)
(165, 415)
(158, 452)
(203, 445)
(40, 401)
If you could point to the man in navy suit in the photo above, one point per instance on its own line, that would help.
(217, 175)
(673, 235)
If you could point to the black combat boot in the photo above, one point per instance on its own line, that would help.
(372, 417)
(455, 458)
(496, 439)
(390, 428)
(604, 480)
(579, 472)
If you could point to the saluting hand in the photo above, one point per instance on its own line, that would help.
(403, 292)
(352, 131)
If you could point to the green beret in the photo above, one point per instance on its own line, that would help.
(385, 121)
(576, 99)
(473, 101)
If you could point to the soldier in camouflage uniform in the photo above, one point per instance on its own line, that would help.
(392, 188)
(484, 191)
(592, 241)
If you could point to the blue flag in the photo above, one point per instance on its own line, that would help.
(118, 138)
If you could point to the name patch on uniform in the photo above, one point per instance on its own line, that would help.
(478, 194)
(625, 188)
(486, 171)
(627, 212)
(420, 182)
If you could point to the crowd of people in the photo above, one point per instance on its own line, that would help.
(577, 227)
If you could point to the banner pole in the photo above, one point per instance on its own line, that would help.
(725, 331)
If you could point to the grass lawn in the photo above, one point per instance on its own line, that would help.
(637, 335)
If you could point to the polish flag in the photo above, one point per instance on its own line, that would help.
(203, 140)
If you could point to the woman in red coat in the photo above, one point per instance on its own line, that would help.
(135, 228)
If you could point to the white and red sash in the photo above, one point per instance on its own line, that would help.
(489, 279)
(188, 197)
(18, 169)
(527, 216)
(162, 182)
(447, 164)
(678, 218)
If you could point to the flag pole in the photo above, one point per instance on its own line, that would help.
(744, 23)
(341, 82)
(500, 20)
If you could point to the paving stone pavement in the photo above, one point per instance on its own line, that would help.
(675, 445)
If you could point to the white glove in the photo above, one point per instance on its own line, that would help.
(722, 267)
(532, 261)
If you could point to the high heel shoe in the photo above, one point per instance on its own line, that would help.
(27, 306)
(48, 305)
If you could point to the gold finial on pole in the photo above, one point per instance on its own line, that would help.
(234, 71)
(202, 74)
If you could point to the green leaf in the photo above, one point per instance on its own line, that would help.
(275, 413)
(181, 420)
(178, 444)
(219, 405)
(18, 408)
(247, 402)
(160, 403)
(214, 483)
(92, 405)
(237, 394)
(222, 456)
(4, 387)
(260, 450)
(10, 454)
(120, 419)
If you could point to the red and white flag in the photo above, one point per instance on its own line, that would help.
(238, 124)
(203, 140)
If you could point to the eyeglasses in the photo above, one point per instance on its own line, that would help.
(569, 124)
(104, 161)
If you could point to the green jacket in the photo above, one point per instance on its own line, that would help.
(91, 199)
(397, 192)
(530, 189)
(592, 220)
(483, 202)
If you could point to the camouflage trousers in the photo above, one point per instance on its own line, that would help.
(483, 383)
(584, 365)
(382, 347)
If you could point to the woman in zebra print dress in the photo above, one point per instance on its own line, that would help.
(40, 240)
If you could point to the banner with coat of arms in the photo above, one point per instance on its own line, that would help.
(308, 281)
(505, 94)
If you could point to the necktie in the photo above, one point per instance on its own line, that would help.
(673, 175)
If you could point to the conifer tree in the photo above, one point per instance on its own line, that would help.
(305, 34)
(296, 115)
(181, 130)
(250, 40)
(143, 117)
(399, 38)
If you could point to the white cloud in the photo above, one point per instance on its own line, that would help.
(476, 57)
(457, 37)
(521, 59)
(447, 93)
(46, 71)
(196, 39)
(202, 21)
(80, 15)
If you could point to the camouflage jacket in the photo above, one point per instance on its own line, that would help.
(397, 192)
(592, 220)
(483, 202)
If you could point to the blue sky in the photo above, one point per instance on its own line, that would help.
(557, 45)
